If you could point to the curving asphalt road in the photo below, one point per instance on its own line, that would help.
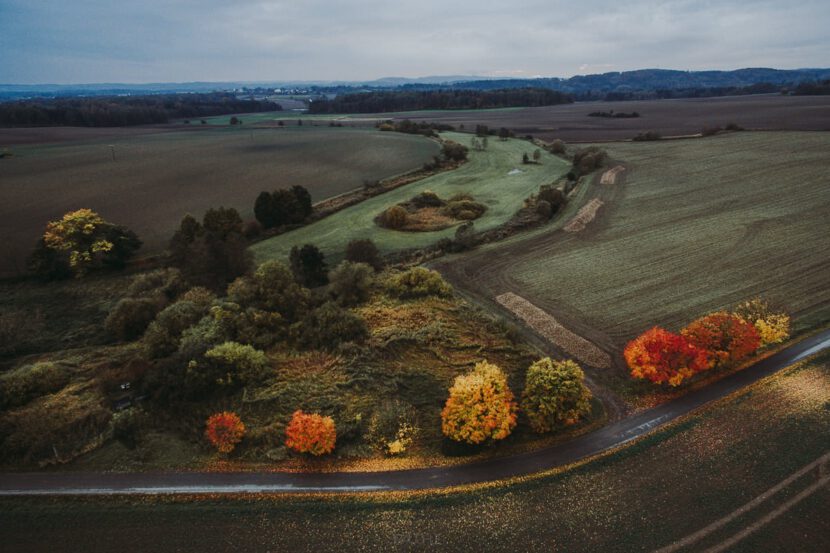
(608, 437)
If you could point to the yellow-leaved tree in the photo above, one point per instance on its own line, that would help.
(772, 326)
(80, 241)
(480, 407)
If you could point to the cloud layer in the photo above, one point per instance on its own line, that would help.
(187, 40)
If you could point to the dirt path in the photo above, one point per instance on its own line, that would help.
(602, 440)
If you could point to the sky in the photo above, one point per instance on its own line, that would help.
(139, 41)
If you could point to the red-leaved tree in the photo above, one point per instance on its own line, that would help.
(661, 357)
(225, 430)
(310, 433)
(727, 337)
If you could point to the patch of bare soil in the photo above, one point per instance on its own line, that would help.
(546, 325)
(610, 176)
(585, 215)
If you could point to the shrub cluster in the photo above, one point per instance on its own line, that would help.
(588, 159)
(719, 339)
(286, 206)
(417, 282)
(22, 385)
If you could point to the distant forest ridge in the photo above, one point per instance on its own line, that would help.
(411, 100)
(656, 79)
(594, 86)
(121, 111)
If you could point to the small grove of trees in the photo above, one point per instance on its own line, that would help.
(286, 206)
(211, 253)
(410, 127)
(79, 242)
(555, 394)
(310, 433)
(715, 340)
(224, 430)
(480, 407)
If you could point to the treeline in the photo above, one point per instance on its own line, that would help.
(388, 101)
(614, 115)
(123, 111)
(821, 88)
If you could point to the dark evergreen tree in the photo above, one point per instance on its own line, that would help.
(309, 266)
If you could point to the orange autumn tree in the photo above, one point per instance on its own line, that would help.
(480, 407)
(310, 433)
(727, 337)
(662, 357)
(224, 430)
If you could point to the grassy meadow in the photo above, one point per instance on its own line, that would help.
(485, 177)
(696, 226)
(155, 179)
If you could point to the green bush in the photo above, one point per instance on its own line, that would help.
(272, 288)
(364, 251)
(417, 282)
(555, 394)
(330, 325)
(350, 283)
(167, 282)
(465, 209)
(199, 295)
(163, 334)
(552, 195)
(239, 362)
(427, 198)
(19, 328)
(557, 147)
(126, 426)
(130, 317)
(395, 217)
(22, 385)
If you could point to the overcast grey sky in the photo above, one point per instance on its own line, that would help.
(81, 41)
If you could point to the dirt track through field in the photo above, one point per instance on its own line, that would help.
(610, 176)
(547, 326)
(585, 216)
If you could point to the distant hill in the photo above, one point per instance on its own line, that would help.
(643, 83)
(654, 80)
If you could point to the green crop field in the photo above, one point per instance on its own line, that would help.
(697, 225)
(485, 177)
(155, 179)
